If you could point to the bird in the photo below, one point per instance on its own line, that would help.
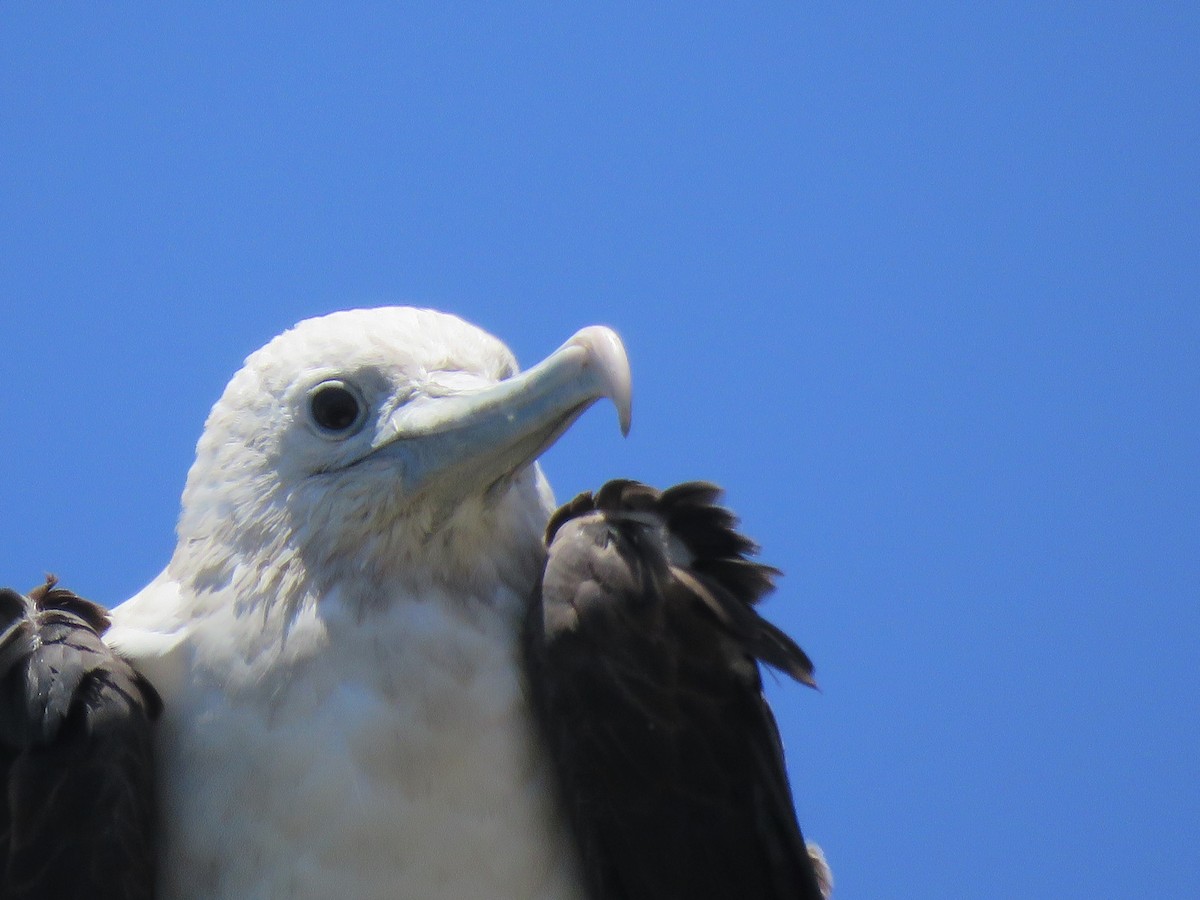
(355, 675)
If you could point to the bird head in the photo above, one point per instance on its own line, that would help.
(381, 442)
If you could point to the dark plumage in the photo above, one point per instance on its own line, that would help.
(75, 755)
(642, 651)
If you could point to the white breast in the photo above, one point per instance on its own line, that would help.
(394, 760)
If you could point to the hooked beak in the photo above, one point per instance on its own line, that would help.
(468, 441)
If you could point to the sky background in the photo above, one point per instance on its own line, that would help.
(919, 284)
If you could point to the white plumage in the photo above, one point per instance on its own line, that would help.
(336, 635)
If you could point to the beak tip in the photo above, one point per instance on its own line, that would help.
(607, 352)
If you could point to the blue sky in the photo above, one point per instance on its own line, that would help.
(917, 283)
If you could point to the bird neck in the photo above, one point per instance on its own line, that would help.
(258, 584)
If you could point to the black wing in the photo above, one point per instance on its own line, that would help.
(642, 658)
(77, 819)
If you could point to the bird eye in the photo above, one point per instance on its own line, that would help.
(336, 408)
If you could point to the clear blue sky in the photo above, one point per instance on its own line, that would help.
(919, 284)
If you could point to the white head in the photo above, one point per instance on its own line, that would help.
(381, 444)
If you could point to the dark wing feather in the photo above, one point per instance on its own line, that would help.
(643, 673)
(75, 755)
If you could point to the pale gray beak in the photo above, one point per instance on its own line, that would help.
(467, 441)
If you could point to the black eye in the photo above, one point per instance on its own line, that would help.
(336, 408)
